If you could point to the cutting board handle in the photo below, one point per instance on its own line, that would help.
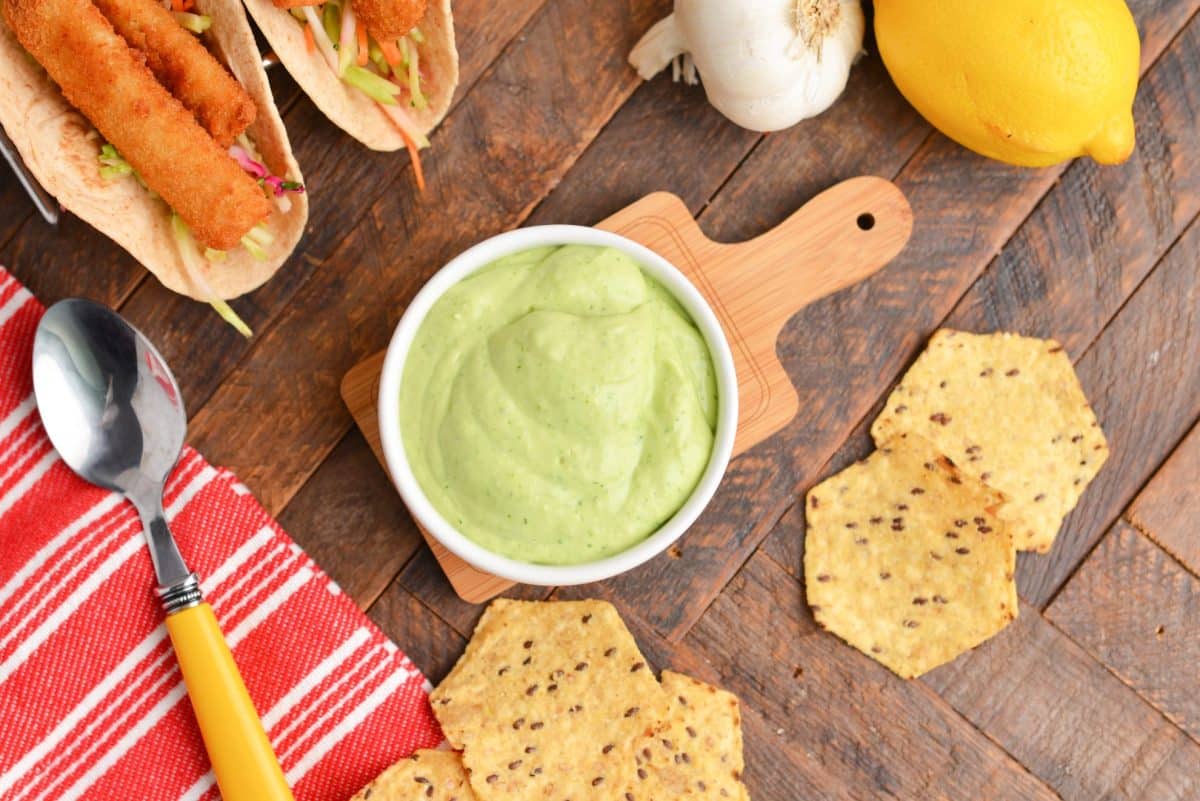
(838, 238)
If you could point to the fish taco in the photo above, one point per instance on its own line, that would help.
(155, 124)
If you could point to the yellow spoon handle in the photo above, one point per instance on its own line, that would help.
(241, 755)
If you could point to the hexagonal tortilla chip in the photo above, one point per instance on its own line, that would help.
(698, 754)
(424, 776)
(1009, 411)
(906, 560)
(549, 701)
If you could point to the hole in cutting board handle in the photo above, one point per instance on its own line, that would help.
(866, 221)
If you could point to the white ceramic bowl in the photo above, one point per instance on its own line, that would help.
(418, 504)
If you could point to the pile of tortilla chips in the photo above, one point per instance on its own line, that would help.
(554, 700)
(983, 448)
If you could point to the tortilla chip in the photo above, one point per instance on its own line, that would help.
(424, 776)
(698, 754)
(905, 559)
(60, 148)
(347, 107)
(1009, 411)
(550, 701)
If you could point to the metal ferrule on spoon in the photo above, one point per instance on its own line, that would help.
(113, 411)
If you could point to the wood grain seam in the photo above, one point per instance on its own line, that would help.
(133, 288)
(425, 606)
(29, 214)
(951, 709)
(1109, 669)
(1100, 540)
(1192, 19)
(386, 585)
(1166, 252)
(728, 177)
(789, 571)
(1130, 514)
(298, 96)
(1136, 525)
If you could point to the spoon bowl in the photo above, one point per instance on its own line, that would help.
(108, 401)
(113, 411)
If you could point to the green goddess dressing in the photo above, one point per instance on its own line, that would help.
(559, 405)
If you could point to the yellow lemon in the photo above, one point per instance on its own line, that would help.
(1029, 82)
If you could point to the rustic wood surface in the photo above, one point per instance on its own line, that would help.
(1091, 694)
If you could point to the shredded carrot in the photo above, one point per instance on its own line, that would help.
(177, 5)
(309, 43)
(363, 45)
(414, 154)
(391, 53)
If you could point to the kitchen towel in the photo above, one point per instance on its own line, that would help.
(92, 705)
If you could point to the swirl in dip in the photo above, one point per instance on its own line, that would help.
(558, 406)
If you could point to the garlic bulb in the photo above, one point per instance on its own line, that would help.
(765, 64)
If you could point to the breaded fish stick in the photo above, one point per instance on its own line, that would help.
(184, 66)
(101, 76)
(388, 20)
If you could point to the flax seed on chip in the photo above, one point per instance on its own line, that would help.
(549, 701)
(1009, 411)
(425, 776)
(698, 754)
(905, 558)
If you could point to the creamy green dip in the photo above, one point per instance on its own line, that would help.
(559, 405)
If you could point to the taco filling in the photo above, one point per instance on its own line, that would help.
(373, 46)
(168, 114)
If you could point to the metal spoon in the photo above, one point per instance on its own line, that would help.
(112, 409)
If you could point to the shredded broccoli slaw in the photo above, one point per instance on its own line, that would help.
(189, 252)
(182, 11)
(387, 72)
(196, 23)
(396, 64)
(112, 164)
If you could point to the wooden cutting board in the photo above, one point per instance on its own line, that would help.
(838, 238)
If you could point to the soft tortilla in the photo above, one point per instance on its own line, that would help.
(60, 147)
(348, 108)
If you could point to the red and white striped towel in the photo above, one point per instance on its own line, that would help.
(91, 701)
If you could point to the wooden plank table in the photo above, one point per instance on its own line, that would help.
(1091, 694)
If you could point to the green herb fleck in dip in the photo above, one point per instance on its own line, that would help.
(559, 405)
